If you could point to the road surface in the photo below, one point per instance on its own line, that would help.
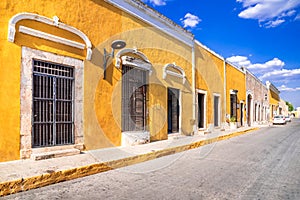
(263, 164)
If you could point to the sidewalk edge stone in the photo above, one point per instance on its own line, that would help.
(24, 184)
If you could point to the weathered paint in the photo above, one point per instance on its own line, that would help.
(102, 23)
(235, 80)
(105, 129)
(19, 185)
(257, 92)
(210, 77)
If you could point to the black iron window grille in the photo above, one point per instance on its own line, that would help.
(52, 108)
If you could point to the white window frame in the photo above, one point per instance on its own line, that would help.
(40, 34)
(180, 111)
(28, 55)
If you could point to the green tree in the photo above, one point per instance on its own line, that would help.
(290, 105)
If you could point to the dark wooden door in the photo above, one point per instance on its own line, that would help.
(134, 90)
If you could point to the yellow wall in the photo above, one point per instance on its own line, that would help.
(235, 80)
(102, 23)
(210, 77)
(274, 98)
(160, 49)
(274, 102)
(10, 54)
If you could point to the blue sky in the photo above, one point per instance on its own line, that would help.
(262, 35)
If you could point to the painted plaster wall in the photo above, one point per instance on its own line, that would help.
(210, 77)
(259, 93)
(160, 49)
(274, 102)
(235, 80)
(257, 88)
(102, 23)
(274, 98)
(10, 54)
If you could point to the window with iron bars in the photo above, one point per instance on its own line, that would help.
(53, 93)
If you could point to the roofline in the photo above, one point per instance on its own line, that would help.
(208, 49)
(242, 69)
(272, 87)
(249, 72)
(150, 16)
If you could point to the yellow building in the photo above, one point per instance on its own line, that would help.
(274, 99)
(90, 74)
(210, 99)
(235, 94)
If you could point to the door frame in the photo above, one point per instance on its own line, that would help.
(179, 110)
(199, 91)
(219, 109)
(127, 124)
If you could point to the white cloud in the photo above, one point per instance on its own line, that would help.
(257, 68)
(269, 13)
(273, 64)
(272, 24)
(277, 74)
(156, 2)
(241, 61)
(190, 20)
(288, 89)
(274, 71)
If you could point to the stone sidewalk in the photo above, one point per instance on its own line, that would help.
(22, 175)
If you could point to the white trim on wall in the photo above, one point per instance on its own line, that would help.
(199, 91)
(172, 73)
(28, 55)
(219, 107)
(128, 50)
(50, 37)
(52, 22)
(137, 63)
(152, 17)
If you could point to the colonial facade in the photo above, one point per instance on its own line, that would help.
(235, 93)
(274, 100)
(210, 84)
(257, 100)
(81, 74)
(113, 73)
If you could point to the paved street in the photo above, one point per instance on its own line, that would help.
(260, 165)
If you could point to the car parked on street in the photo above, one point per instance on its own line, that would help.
(288, 118)
(279, 119)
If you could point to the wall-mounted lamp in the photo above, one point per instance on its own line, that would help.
(117, 44)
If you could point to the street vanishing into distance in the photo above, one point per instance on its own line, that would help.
(263, 164)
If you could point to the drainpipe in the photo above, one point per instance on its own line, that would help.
(225, 96)
(194, 87)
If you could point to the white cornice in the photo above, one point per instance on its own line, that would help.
(136, 62)
(52, 22)
(47, 36)
(143, 12)
(128, 50)
(172, 73)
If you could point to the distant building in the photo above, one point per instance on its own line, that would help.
(257, 100)
(296, 113)
(274, 99)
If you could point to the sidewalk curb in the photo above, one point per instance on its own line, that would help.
(23, 184)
